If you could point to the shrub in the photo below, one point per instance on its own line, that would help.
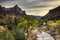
(6, 35)
(19, 34)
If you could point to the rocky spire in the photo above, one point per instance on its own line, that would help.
(16, 6)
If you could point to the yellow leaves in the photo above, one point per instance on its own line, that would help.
(58, 22)
(54, 24)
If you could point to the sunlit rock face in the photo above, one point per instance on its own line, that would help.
(44, 36)
(1, 28)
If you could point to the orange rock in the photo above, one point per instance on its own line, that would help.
(1, 28)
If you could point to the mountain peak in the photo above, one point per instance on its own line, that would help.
(12, 12)
(53, 13)
(16, 6)
(56, 9)
(0, 5)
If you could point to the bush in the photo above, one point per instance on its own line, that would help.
(19, 34)
(6, 35)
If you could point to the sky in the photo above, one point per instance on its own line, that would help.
(32, 7)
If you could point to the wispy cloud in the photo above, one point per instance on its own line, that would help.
(35, 7)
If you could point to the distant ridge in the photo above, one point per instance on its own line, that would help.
(53, 13)
(37, 17)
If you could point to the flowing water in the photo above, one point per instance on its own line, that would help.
(44, 36)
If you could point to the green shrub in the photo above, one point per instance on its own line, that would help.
(19, 34)
(6, 35)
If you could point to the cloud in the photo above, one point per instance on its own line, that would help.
(32, 6)
(27, 2)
